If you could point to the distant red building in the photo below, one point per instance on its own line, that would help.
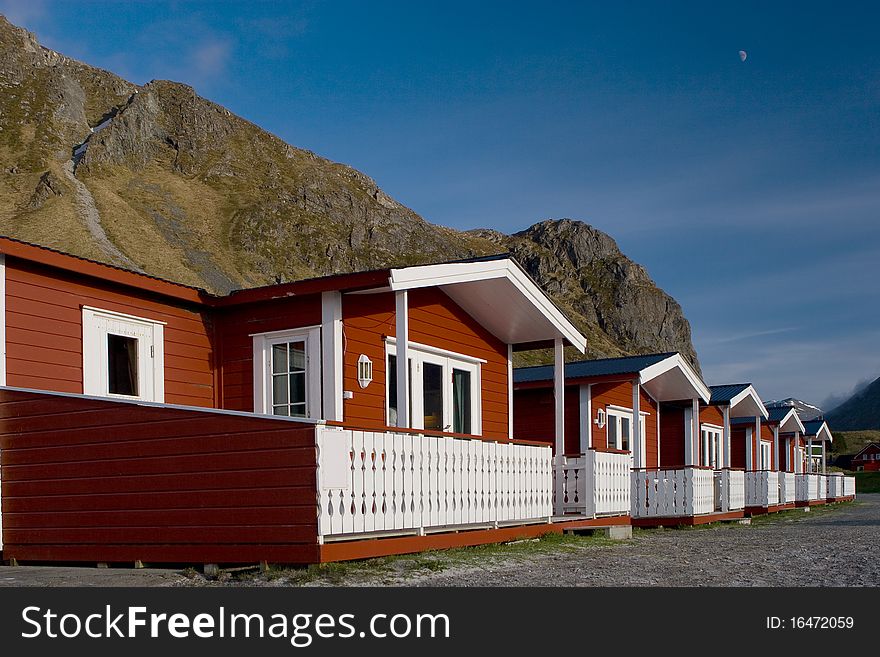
(868, 459)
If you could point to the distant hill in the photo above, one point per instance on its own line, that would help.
(859, 412)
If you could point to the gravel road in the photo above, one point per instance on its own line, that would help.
(829, 546)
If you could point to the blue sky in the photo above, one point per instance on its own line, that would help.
(750, 190)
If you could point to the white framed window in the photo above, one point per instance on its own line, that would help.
(444, 389)
(710, 436)
(287, 373)
(765, 455)
(123, 355)
(618, 421)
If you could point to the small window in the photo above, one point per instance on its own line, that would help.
(391, 373)
(123, 356)
(461, 401)
(287, 373)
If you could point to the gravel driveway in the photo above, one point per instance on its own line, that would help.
(829, 546)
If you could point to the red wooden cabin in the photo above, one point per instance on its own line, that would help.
(868, 459)
(146, 420)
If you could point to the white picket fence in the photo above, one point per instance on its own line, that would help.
(762, 488)
(786, 487)
(397, 482)
(849, 486)
(730, 494)
(593, 484)
(834, 485)
(809, 487)
(672, 493)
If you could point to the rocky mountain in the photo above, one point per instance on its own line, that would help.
(805, 410)
(859, 412)
(158, 179)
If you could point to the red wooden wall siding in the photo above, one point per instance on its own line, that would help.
(436, 320)
(236, 326)
(671, 436)
(44, 332)
(87, 480)
(738, 446)
(366, 318)
(534, 413)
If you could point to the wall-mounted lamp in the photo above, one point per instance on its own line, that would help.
(365, 371)
(600, 418)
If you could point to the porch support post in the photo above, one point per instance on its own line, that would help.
(695, 431)
(776, 448)
(798, 461)
(402, 340)
(823, 457)
(559, 397)
(510, 392)
(757, 452)
(810, 454)
(331, 355)
(689, 458)
(639, 460)
(725, 411)
(585, 414)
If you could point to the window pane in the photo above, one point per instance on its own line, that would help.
(461, 401)
(122, 365)
(281, 410)
(298, 410)
(297, 356)
(432, 395)
(298, 388)
(279, 389)
(624, 433)
(391, 373)
(279, 358)
(612, 432)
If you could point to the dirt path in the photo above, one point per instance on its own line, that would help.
(830, 546)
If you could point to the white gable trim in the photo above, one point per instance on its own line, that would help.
(676, 361)
(468, 272)
(745, 394)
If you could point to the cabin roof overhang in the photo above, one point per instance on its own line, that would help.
(673, 379)
(791, 422)
(821, 433)
(499, 295)
(747, 403)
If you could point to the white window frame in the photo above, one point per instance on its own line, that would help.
(96, 380)
(766, 455)
(614, 413)
(262, 345)
(448, 360)
(712, 445)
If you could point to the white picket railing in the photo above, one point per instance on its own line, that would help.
(807, 486)
(822, 482)
(786, 487)
(849, 486)
(762, 488)
(834, 484)
(729, 490)
(672, 493)
(593, 484)
(372, 481)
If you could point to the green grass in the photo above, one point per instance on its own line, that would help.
(867, 482)
(386, 569)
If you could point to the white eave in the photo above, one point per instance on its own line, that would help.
(791, 422)
(499, 295)
(672, 379)
(748, 404)
(824, 433)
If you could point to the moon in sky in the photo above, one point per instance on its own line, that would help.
(742, 55)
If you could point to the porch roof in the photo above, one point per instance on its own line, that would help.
(666, 376)
(819, 430)
(742, 398)
(786, 417)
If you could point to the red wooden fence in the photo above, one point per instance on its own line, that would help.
(107, 481)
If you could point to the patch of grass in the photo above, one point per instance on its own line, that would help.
(435, 561)
(867, 482)
(797, 514)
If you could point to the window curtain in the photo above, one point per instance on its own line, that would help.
(461, 401)
(131, 349)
